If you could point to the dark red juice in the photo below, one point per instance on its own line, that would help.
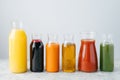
(36, 56)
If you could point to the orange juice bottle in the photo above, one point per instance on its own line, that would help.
(17, 50)
(52, 54)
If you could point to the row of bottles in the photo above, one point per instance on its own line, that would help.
(87, 60)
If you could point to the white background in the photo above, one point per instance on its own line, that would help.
(61, 17)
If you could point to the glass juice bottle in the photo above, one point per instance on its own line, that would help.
(52, 54)
(68, 54)
(87, 60)
(36, 54)
(107, 54)
(17, 49)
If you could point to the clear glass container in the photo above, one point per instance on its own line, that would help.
(36, 54)
(87, 60)
(68, 54)
(107, 54)
(52, 54)
(17, 49)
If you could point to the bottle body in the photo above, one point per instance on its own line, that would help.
(107, 56)
(36, 55)
(52, 57)
(87, 60)
(18, 51)
(87, 56)
(68, 57)
(52, 54)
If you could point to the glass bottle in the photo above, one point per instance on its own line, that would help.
(36, 54)
(87, 60)
(68, 54)
(17, 49)
(52, 54)
(107, 54)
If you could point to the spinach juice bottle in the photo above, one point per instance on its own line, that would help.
(107, 54)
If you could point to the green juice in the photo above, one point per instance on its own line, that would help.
(106, 57)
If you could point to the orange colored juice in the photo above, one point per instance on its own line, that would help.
(52, 57)
(18, 51)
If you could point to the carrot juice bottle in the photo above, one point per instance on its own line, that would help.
(17, 50)
(87, 60)
(52, 54)
(68, 54)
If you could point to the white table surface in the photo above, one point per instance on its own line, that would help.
(5, 74)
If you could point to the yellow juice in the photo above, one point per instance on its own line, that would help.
(68, 57)
(18, 51)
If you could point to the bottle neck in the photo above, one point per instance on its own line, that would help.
(68, 38)
(17, 25)
(52, 38)
(36, 38)
(107, 39)
(87, 35)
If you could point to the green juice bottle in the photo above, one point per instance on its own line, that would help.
(107, 54)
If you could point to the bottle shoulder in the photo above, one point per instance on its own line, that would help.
(52, 44)
(68, 44)
(106, 44)
(17, 33)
